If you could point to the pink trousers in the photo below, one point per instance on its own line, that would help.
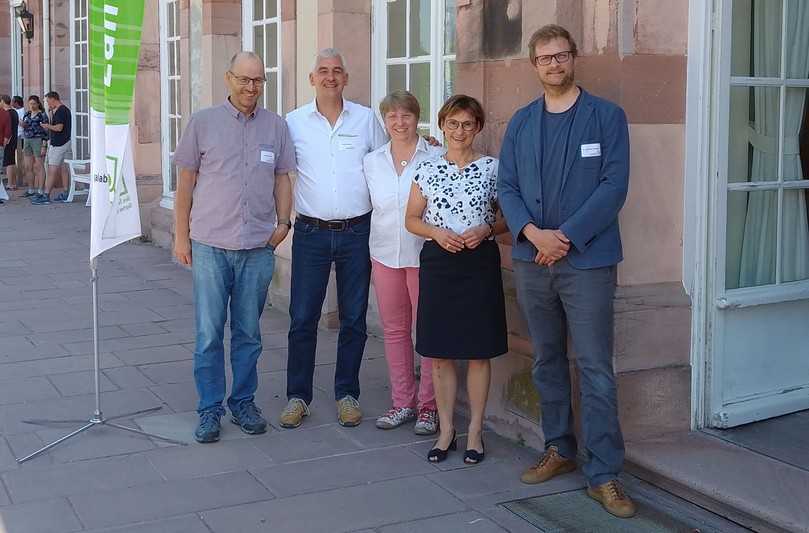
(397, 294)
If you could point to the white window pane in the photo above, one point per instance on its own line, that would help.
(419, 27)
(753, 139)
(77, 31)
(173, 179)
(449, 79)
(797, 40)
(420, 87)
(173, 97)
(751, 238)
(173, 57)
(271, 35)
(397, 77)
(795, 236)
(756, 38)
(796, 134)
(258, 41)
(77, 75)
(397, 28)
(258, 9)
(271, 92)
(84, 60)
(270, 9)
(171, 30)
(450, 29)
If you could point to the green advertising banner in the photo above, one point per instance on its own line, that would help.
(115, 32)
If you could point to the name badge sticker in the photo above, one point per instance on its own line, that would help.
(268, 157)
(591, 150)
(345, 144)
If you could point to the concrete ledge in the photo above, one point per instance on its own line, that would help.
(751, 489)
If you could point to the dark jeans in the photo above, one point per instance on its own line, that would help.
(554, 299)
(313, 252)
(238, 280)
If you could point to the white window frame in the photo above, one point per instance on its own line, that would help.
(83, 93)
(247, 42)
(779, 291)
(166, 116)
(16, 54)
(437, 58)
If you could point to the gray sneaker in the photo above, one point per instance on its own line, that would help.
(248, 417)
(209, 426)
(427, 423)
(395, 417)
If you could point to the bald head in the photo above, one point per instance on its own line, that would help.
(244, 58)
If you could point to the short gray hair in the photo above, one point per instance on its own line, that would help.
(328, 53)
(244, 54)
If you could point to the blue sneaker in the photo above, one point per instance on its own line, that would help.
(209, 426)
(61, 197)
(248, 417)
(41, 199)
(29, 194)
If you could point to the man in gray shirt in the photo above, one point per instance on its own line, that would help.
(232, 209)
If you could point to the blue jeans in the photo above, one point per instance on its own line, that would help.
(237, 279)
(554, 299)
(313, 252)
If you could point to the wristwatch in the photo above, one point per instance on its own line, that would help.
(286, 223)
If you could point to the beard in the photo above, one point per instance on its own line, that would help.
(560, 87)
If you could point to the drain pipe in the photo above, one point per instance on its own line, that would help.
(46, 46)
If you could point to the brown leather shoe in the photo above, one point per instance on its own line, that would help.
(550, 465)
(612, 497)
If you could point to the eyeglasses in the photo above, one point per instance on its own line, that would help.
(244, 81)
(561, 57)
(468, 125)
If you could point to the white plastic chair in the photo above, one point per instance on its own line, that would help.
(77, 169)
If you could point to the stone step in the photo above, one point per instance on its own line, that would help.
(751, 489)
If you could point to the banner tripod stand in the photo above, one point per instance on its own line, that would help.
(98, 418)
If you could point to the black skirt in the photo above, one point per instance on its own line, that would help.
(461, 312)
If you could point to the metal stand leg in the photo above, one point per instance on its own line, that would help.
(98, 418)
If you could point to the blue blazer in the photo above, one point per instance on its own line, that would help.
(593, 188)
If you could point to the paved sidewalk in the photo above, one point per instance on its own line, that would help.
(318, 478)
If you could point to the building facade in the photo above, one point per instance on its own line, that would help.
(714, 286)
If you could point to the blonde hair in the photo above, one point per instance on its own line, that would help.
(548, 33)
(400, 99)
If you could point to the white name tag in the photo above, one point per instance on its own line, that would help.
(267, 157)
(345, 144)
(591, 150)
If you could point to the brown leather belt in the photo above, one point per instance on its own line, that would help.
(333, 225)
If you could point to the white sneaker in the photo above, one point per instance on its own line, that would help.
(395, 417)
(427, 423)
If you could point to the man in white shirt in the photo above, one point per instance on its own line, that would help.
(331, 137)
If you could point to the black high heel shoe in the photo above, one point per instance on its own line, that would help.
(473, 457)
(436, 455)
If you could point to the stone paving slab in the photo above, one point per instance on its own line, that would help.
(465, 522)
(43, 516)
(342, 471)
(167, 499)
(36, 483)
(182, 524)
(363, 506)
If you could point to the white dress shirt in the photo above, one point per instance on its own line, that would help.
(330, 183)
(390, 243)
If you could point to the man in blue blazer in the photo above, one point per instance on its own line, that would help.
(563, 178)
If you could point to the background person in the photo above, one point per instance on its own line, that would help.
(35, 145)
(461, 308)
(389, 171)
(10, 152)
(232, 208)
(19, 170)
(58, 150)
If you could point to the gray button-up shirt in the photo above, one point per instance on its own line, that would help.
(236, 158)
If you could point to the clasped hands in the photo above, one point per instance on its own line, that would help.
(452, 242)
(551, 244)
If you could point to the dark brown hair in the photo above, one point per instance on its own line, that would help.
(548, 33)
(462, 102)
